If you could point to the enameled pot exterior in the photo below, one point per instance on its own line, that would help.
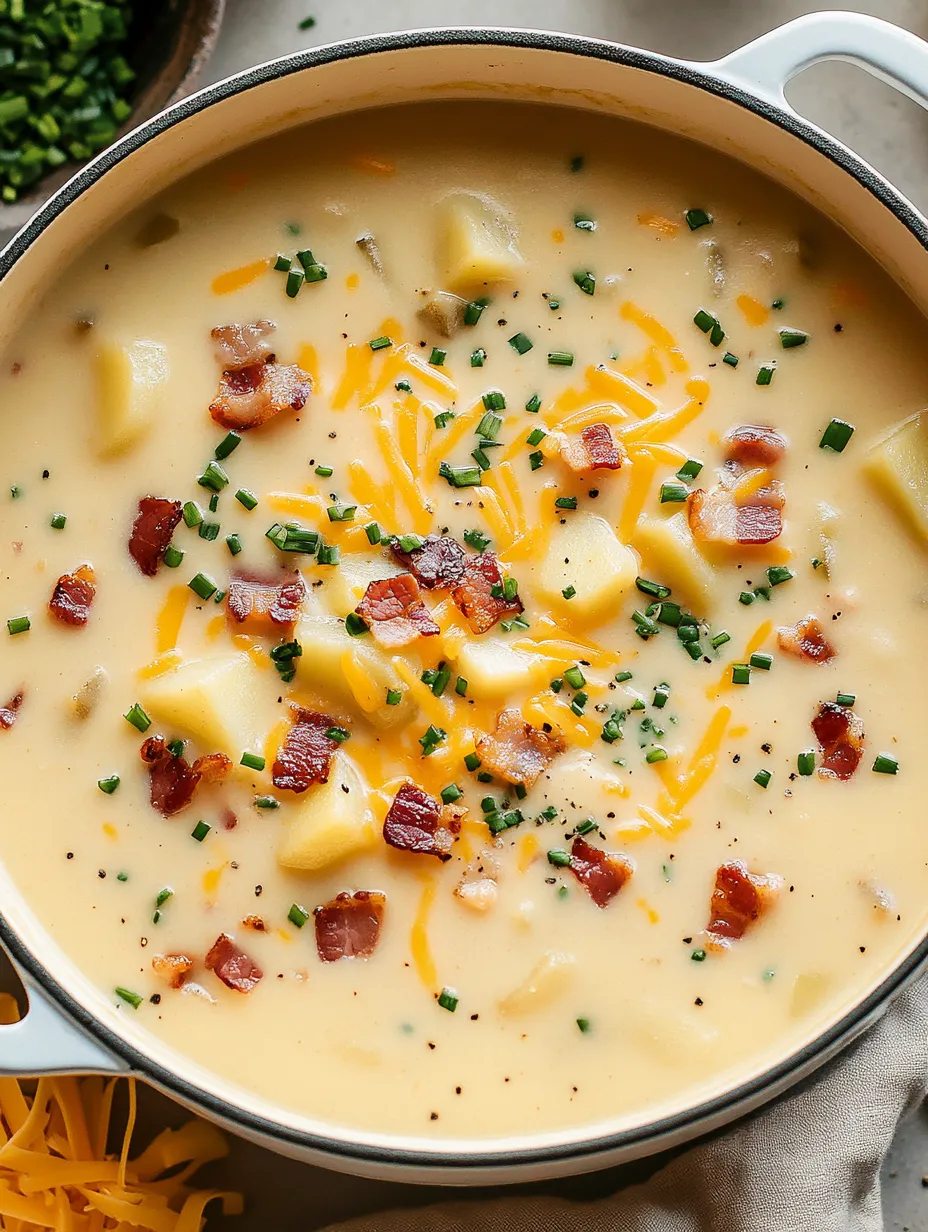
(736, 106)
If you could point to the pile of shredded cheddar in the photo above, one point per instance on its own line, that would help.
(55, 1171)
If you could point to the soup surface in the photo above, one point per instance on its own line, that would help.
(477, 512)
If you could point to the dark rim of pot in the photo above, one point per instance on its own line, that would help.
(685, 1124)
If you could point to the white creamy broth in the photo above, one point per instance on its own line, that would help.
(565, 1012)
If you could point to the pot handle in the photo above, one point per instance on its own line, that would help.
(46, 1041)
(767, 64)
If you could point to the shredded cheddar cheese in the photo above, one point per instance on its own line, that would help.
(419, 938)
(171, 617)
(234, 280)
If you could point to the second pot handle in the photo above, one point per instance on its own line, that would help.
(767, 64)
(46, 1041)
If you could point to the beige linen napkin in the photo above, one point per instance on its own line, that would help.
(809, 1163)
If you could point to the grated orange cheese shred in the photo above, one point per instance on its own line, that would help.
(171, 617)
(667, 423)
(406, 483)
(234, 280)
(164, 663)
(657, 222)
(627, 393)
(639, 485)
(419, 938)
(659, 334)
(56, 1173)
(753, 311)
(308, 360)
(358, 359)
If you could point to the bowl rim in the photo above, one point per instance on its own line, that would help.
(722, 1108)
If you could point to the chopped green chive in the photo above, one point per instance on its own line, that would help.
(709, 323)
(431, 739)
(521, 342)
(341, 513)
(460, 476)
(569, 592)
(654, 589)
(437, 357)
(164, 896)
(293, 538)
(493, 400)
(283, 263)
(740, 673)
(661, 695)
(403, 387)
(560, 359)
(478, 358)
(558, 858)
(575, 677)
(644, 626)
(836, 436)
(451, 793)
(689, 470)
(460, 686)
(586, 281)
(246, 498)
(762, 661)
(267, 802)
(448, 999)
(208, 531)
(324, 472)
(15, 492)
(200, 831)
(229, 443)
(355, 625)
(762, 778)
(108, 785)
(697, 218)
(474, 311)
(489, 425)
(673, 493)
(778, 574)
(536, 436)
(172, 556)
(554, 304)
(533, 406)
(410, 542)
(234, 544)
(203, 586)
(583, 222)
(297, 915)
(846, 699)
(137, 717)
(765, 373)
(472, 762)
(477, 539)
(746, 597)
(622, 677)
(295, 279)
(698, 956)
(536, 460)
(374, 532)
(565, 502)
(805, 762)
(329, 554)
(338, 734)
(790, 337)
(732, 360)
(585, 1025)
(394, 697)
(611, 731)
(778, 304)
(213, 477)
(254, 761)
(58, 521)
(379, 344)
(885, 764)
(656, 754)
(130, 998)
(18, 624)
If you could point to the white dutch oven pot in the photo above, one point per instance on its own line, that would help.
(735, 105)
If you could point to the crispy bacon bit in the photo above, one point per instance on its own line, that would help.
(517, 752)
(172, 968)
(418, 822)
(249, 397)
(228, 819)
(595, 449)
(396, 614)
(73, 595)
(600, 873)
(348, 926)
(307, 752)
(237, 346)
(806, 640)
(152, 531)
(10, 711)
(840, 732)
(477, 888)
(255, 923)
(439, 563)
(474, 597)
(232, 965)
(264, 605)
(173, 780)
(754, 445)
(739, 898)
(715, 518)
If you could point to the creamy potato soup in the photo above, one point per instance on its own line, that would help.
(462, 588)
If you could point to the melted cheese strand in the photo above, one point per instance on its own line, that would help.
(419, 938)
(170, 618)
(234, 280)
(405, 482)
(639, 484)
(623, 389)
(658, 333)
(668, 423)
(355, 378)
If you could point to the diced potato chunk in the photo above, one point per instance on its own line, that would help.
(899, 466)
(350, 671)
(585, 554)
(129, 387)
(344, 590)
(329, 822)
(478, 242)
(548, 980)
(670, 556)
(226, 703)
(495, 671)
